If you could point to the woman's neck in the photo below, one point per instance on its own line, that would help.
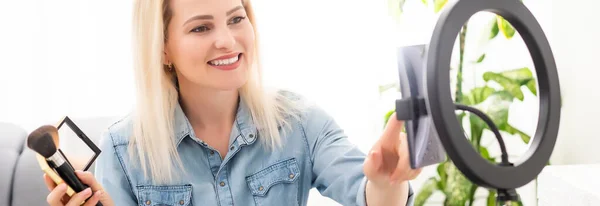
(208, 109)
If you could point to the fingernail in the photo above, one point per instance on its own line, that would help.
(87, 191)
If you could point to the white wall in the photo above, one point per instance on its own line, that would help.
(64, 58)
(575, 44)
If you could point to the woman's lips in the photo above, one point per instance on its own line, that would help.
(227, 62)
(227, 56)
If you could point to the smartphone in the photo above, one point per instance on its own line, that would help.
(424, 144)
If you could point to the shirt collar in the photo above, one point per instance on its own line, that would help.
(242, 127)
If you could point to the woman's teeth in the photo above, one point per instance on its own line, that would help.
(224, 61)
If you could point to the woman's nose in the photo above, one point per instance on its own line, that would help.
(225, 40)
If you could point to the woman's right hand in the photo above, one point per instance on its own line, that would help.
(58, 194)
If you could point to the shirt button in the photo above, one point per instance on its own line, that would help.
(212, 152)
(251, 136)
(261, 188)
(181, 202)
(291, 176)
(232, 147)
(148, 202)
(222, 184)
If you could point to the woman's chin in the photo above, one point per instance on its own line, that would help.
(221, 81)
(229, 85)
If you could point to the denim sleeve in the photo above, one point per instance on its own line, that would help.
(110, 173)
(337, 163)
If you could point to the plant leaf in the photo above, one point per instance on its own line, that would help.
(461, 116)
(474, 97)
(484, 153)
(396, 8)
(424, 2)
(426, 191)
(441, 170)
(532, 86)
(457, 187)
(477, 126)
(387, 116)
(472, 194)
(495, 30)
(511, 130)
(512, 80)
(480, 59)
(491, 198)
(401, 5)
(509, 85)
(507, 29)
(497, 106)
(478, 95)
(439, 5)
(521, 75)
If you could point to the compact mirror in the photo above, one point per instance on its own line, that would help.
(75, 146)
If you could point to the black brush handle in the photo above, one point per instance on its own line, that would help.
(67, 173)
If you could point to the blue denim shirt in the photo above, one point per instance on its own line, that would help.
(316, 154)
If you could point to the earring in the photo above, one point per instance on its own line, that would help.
(170, 66)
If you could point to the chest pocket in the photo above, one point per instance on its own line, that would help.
(276, 184)
(172, 195)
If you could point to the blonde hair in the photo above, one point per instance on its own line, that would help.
(156, 96)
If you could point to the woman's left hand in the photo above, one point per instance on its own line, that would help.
(388, 161)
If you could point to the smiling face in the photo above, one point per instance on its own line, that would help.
(210, 43)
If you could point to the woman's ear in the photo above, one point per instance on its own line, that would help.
(165, 58)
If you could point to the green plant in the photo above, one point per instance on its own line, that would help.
(494, 98)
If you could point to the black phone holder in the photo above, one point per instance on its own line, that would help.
(432, 98)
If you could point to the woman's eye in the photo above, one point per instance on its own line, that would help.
(200, 29)
(237, 19)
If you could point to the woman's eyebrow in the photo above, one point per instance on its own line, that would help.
(203, 17)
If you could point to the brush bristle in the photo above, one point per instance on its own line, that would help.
(41, 140)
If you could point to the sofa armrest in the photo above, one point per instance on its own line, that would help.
(12, 138)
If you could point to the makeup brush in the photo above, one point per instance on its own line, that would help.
(44, 141)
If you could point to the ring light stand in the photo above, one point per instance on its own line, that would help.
(430, 97)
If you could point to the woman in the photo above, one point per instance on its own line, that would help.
(206, 132)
